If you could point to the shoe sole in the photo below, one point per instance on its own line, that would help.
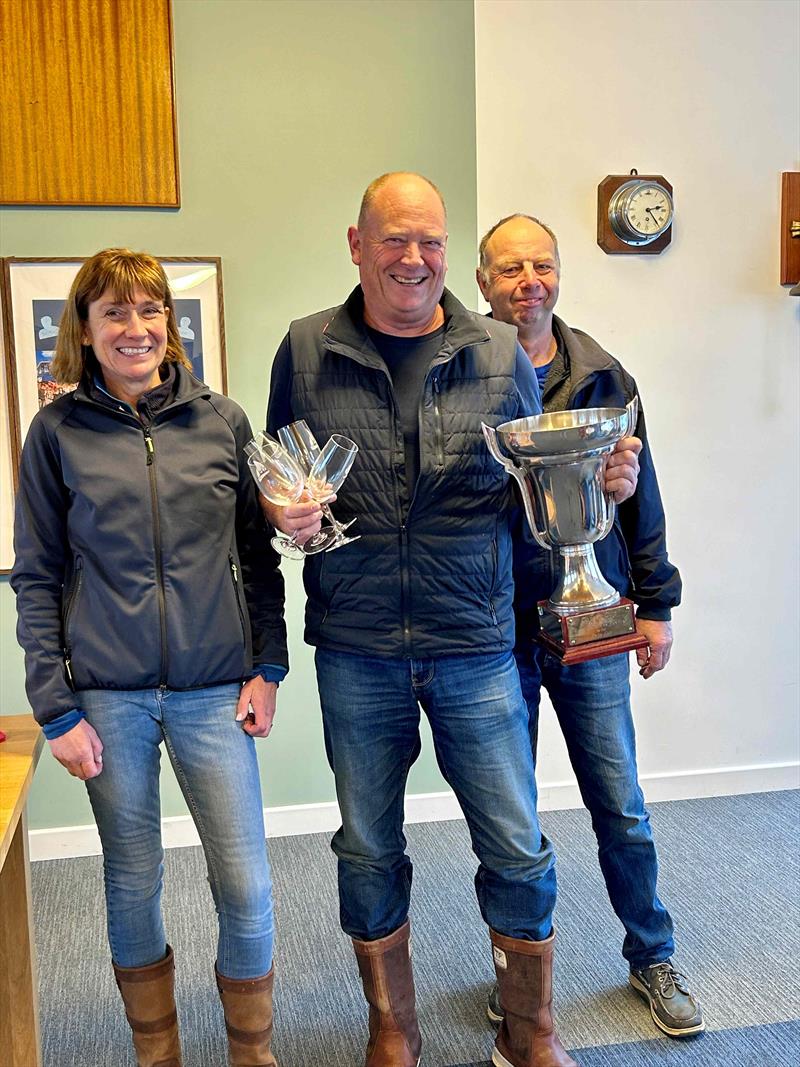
(493, 1018)
(644, 993)
(499, 1060)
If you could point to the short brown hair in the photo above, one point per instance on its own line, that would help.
(123, 272)
(375, 186)
(509, 218)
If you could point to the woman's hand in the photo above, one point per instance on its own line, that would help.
(80, 750)
(256, 708)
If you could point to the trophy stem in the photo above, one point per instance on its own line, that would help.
(581, 586)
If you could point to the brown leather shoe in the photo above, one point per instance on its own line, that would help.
(247, 1004)
(385, 967)
(148, 994)
(527, 1036)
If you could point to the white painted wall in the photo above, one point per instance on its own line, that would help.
(705, 93)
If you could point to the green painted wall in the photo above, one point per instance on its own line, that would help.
(286, 110)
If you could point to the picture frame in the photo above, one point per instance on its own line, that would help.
(34, 293)
(8, 468)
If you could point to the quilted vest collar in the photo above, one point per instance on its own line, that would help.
(346, 333)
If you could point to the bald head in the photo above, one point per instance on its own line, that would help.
(396, 179)
(399, 248)
(519, 275)
(518, 224)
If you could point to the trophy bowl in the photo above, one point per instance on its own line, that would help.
(559, 433)
(558, 460)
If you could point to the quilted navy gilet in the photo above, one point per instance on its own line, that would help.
(433, 577)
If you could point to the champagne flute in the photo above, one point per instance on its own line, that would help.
(326, 476)
(301, 444)
(281, 481)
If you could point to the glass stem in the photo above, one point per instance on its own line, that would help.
(326, 511)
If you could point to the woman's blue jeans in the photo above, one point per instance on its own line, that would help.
(215, 763)
(371, 710)
(592, 702)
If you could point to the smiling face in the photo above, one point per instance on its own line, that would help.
(521, 276)
(129, 341)
(400, 253)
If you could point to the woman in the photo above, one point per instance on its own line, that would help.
(150, 609)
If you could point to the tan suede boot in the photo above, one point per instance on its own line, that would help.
(247, 1004)
(385, 967)
(148, 994)
(527, 1036)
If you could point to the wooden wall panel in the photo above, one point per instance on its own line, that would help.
(87, 104)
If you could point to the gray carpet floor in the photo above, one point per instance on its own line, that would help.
(729, 875)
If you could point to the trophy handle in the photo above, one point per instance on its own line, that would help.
(490, 436)
(632, 408)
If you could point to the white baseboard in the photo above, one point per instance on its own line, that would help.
(179, 831)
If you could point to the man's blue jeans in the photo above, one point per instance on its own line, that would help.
(592, 702)
(370, 709)
(215, 763)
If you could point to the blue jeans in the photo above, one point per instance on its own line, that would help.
(215, 763)
(592, 702)
(370, 711)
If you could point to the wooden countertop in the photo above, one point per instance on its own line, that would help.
(19, 754)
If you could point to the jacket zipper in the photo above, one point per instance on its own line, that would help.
(235, 577)
(73, 599)
(403, 530)
(494, 581)
(162, 600)
(405, 578)
(437, 419)
(404, 589)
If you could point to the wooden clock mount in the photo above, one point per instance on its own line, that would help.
(607, 237)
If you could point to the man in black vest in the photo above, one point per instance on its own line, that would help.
(519, 276)
(419, 611)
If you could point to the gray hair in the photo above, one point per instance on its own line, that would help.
(482, 265)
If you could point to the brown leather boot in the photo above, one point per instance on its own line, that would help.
(148, 994)
(385, 967)
(527, 1036)
(247, 1004)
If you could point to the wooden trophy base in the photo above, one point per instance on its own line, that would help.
(589, 634)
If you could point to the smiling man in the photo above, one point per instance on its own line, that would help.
(418, 613)
(519, 275)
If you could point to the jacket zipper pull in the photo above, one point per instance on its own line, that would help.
(68, 669)
(148, 444)
(235, 572)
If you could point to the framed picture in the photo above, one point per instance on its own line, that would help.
(35, 292)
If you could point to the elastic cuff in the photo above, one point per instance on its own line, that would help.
(270, 672)
(653, 614)
(62, 724)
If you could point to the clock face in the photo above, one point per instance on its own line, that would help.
(648, 210)
(640, 211)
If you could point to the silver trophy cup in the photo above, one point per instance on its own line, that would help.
(557, 460)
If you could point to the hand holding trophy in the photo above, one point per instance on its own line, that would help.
(558, 459)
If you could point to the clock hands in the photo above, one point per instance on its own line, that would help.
(652, 215)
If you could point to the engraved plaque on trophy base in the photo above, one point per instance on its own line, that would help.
(589, 634)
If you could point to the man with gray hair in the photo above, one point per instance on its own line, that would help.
(519, 276)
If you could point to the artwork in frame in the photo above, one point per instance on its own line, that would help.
(35, 293)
